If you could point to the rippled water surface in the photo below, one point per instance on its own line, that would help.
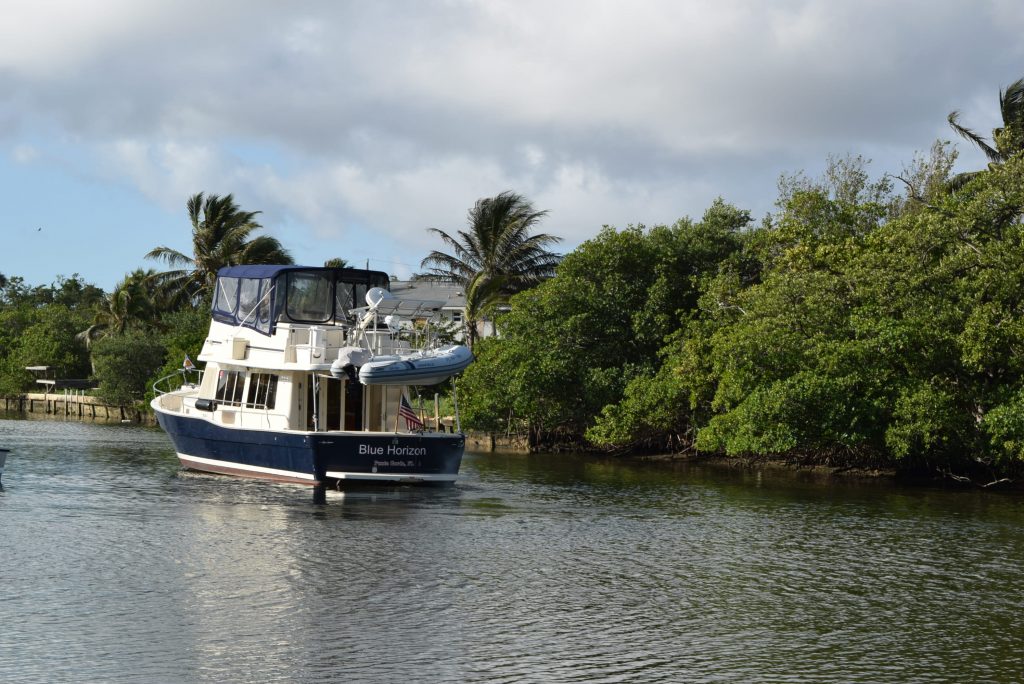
(117, 566)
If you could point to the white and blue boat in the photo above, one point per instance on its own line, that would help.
(284, 395)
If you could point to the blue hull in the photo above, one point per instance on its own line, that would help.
(314, 458)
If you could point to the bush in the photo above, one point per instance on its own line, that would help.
(123, 365)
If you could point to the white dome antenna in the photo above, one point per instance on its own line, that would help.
(376, 295)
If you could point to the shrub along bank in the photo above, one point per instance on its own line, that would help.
(854, 326)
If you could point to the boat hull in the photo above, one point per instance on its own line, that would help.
(314, 458)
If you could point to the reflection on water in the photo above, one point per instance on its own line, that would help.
(116, 566)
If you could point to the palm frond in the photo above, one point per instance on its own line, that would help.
(264, 249)
(222, 235)
(171, 257)
(968, 134)
(495, 256)
(1011, 103)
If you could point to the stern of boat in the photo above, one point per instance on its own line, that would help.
(428, 457)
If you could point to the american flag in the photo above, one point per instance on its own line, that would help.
(412, 421)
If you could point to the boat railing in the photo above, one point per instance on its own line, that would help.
(164, 385)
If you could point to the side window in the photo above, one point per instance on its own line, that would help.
(262, 391)
(248, 296)
(263, 317)
(229, 388)
(226, 297)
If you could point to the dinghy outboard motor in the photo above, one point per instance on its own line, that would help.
(350, 358)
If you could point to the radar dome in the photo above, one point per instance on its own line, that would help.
(376, 295)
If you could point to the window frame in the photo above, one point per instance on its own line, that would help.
(262, 391)
(233, 382)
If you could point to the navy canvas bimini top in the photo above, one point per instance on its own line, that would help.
(261, 270)
(245, 295)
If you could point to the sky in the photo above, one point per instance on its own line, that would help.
(353, 126)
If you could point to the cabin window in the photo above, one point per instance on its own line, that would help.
(456, 317)
(229, 388)
(310, 298)
(226, 297)
(262, 391)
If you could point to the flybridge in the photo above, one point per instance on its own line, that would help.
(258, 296)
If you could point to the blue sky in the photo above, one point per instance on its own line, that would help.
(354, 126)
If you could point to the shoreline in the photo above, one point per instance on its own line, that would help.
(72, 407)
(56, 410)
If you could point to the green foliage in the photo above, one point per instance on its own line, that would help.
(123, 365)
(135, 302)
(570, 346)
(73, 293)
(38, 332)
(897, 335)
(854, 326)
(184, 333)
(41, 326)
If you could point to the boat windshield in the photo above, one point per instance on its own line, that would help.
(309, 296)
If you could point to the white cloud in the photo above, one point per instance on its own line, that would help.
(166, 171)
(24, 154)
(57, 38)
(356, 125)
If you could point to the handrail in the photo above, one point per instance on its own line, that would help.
(184, 373)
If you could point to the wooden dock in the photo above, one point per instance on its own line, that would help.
(69, 403)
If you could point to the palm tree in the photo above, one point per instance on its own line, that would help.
(1006, 140)
(221, 236)
(495, 258)
(336, 262)
(132, 302)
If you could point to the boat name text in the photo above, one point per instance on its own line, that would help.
(391, 450)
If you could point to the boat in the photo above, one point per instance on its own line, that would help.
(283, 395)
(3, 459)
(424, 367)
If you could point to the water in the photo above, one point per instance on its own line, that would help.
(115, 566)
